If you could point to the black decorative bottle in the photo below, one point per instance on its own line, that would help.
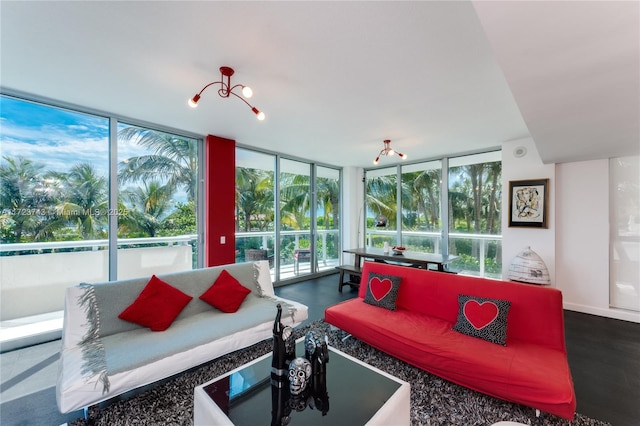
(284, 349)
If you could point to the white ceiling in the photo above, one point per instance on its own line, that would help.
(336, 78)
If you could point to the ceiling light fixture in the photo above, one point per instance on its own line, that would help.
(226, 89)
(387, 150)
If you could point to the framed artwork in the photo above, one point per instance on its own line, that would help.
(528, 203)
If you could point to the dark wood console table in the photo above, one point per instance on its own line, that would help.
(407, 258)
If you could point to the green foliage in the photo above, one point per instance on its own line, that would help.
(182, 221)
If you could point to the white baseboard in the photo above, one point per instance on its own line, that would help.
(615, 313)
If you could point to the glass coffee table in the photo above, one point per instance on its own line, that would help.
(355, 394)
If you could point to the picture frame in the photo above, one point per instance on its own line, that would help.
(528, 203)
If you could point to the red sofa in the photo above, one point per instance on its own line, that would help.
(532, 369)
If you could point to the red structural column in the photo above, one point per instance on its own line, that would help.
(220, 190)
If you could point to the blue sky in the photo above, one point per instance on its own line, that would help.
(58, 138)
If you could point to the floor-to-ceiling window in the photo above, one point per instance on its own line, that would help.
(255, 206)
(54, 174)
(157, 175)
(465, 190)
(302, 236)
(421, 213)
(474, 205)
(295, 202)
(86, 197)
(327, 217)
(381, 192)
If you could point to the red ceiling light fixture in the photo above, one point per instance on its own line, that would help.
(226, 89)
(387, 150)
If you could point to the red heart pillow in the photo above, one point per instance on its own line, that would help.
(483, 318)
(382, 290)
(480, 315)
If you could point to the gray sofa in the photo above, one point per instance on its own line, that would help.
(103, 356)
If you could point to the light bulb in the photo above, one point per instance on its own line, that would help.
(377, 160)
(391, 152)
(258, 113)
(247, 92)
(193, 102)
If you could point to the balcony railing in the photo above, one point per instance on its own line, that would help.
(474, 259)
(327, 249)
(34, 275)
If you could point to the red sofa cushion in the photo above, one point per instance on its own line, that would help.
(157, 305)
(226, 293)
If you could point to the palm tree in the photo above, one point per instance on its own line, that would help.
(328, 198)
(148, 206)
(381, 197)
(172, 159)
(432, 187)
(26, 199)
(254, 198)
(295, 200)
(84, 200)
(423, 192)
(495, 173)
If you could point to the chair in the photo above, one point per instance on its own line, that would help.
(301, 255)
(257, 254)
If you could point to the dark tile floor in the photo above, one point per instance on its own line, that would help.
(604, 356)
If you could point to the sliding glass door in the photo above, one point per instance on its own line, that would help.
(255, 207)
(300, 237)
(327, 217)
(296, 201)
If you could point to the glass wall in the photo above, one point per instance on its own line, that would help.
(255, 206)
(327, 217)
(304, 236)
(475, 194)
(54, 197)
(381, 192)
(624, 282)
(296, 248)
(75, 211)
(157, 197)
(421, 223)
(410, 213)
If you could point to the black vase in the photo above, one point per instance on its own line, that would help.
(283, 348)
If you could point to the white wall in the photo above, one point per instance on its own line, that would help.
(582, 238)
(575, 247)
(516, 239)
